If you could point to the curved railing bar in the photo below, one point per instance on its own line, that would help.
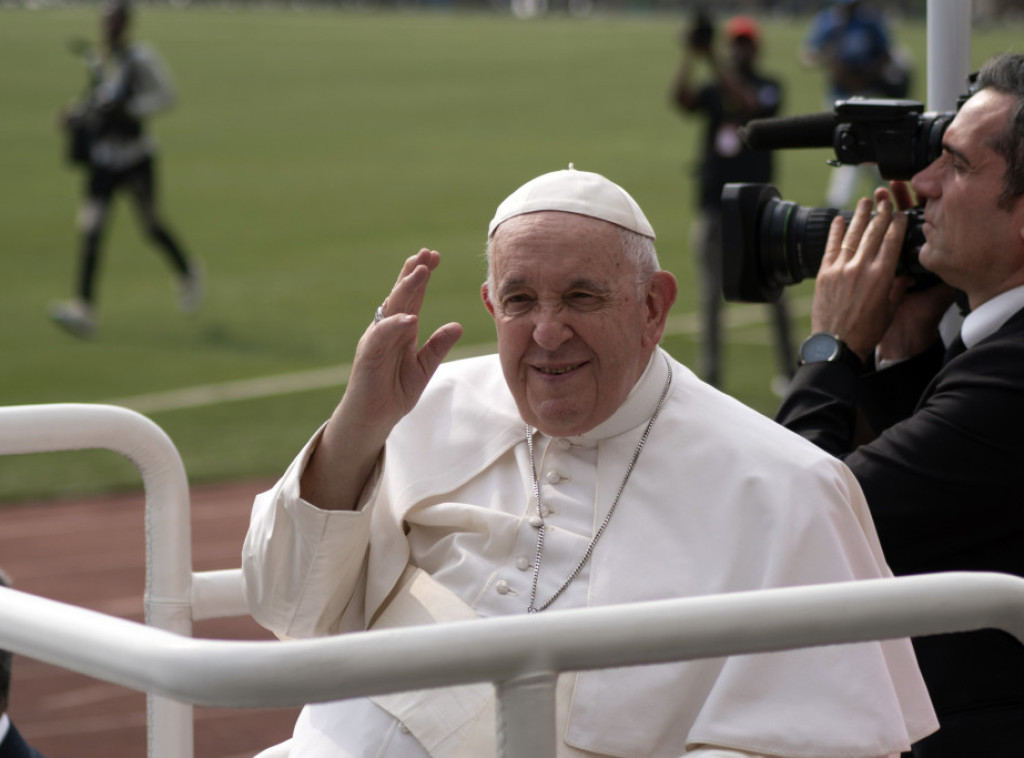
(168, 595)
(273, 674)
(521, 655)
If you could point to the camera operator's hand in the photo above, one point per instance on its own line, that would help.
(915, 326)
(701, 34)
(684, 94)
(857, 292)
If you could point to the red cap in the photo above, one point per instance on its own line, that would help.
(743, 26)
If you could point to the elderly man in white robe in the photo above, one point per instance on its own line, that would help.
(580, 466)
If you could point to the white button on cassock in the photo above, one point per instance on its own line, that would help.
(502, 587)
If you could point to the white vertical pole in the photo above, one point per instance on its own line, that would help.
(526, 716)
(73, 426)
(949, 52)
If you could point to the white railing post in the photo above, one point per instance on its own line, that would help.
(949, 52)
(218, 594)
(526, 716)
(72, 426)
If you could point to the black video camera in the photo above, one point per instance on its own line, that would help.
(699, 34)
(768, 243)
(895, 134)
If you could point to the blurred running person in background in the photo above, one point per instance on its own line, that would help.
(107, 136)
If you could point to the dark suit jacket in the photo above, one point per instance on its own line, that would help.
(14, 746)
(941, 465)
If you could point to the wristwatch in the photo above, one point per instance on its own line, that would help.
(828, 348)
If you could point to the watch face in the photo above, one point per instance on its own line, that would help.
(819, 347)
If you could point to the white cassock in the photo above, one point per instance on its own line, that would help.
(722, 499)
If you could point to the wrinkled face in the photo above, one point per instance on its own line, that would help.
(972, 243)
(575, 331)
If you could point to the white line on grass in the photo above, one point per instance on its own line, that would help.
(336, 376)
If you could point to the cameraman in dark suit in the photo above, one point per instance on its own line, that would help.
(933, 436)
(12, 744)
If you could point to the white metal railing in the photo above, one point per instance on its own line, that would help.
(521, 655)
(168, 595)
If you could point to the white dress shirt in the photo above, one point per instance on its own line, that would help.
(990, 315)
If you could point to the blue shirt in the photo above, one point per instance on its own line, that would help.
(856, 47)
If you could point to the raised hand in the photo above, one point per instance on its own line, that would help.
(389, 373)
(390, 370)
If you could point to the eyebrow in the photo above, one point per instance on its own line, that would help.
(578, 283)
(510, 284)
(588, 284)
(957, 154)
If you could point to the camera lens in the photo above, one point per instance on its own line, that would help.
(769, 243)
(793, 241)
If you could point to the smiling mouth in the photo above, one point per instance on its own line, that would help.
(556, 371)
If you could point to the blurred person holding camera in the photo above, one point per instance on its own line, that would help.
(106, 135)
(851, 43)
(12, 744)
(933, 433)
(735, 93)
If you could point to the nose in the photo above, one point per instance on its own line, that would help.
(551, 329)
(925, 182)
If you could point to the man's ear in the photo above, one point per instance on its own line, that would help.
(661, 294)
(485, 295)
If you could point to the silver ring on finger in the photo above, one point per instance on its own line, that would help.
(378, 315)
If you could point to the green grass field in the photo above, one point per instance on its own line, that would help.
(310, 153)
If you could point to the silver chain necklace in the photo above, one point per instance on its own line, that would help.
(533, 608)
